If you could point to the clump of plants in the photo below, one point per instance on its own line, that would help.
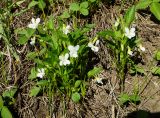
(6, 101)
(123, 43)
(60, 55)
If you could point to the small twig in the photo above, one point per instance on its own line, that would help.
(113, 111)
(23, 49)
(10, 60)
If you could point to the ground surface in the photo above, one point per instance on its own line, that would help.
(101, 100)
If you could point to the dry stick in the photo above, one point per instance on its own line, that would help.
(147, 77)
(114, 97)
(113, 111)
(149, 98)
(10, 60)
(22, 50)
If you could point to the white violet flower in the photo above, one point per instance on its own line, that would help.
(41, 73)
(130, 51)
(94, 48)
(141, 48)
(64, 59)
(34, 23)
(98, 80)
(33, 41)
(66, 29)
(130, 33)
(116, 23)
(73, 50)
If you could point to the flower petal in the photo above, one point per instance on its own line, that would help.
(97, 42)
(38, 20)
(33, 20)
(77, 47)
(70, 47)
(66, 56)
(90, 45)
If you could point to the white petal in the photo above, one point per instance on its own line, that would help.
(95, 49)
(67, 62)
(142, 48)
(98, 80)
(42, 70)
(70, 47)
(129, 51)
(61, 57)
(37, 20)
(132, 30)
(77, 47)
(90, 45)
(74, 55)
(97, 42)
(68, 27)
(60, 63)
(32, 26)
(33, 20)
(116, 24)
(126, 30)
(66, 56)
(39, 70)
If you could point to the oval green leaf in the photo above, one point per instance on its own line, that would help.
(155, 9)
(5, 113)
(74, 7)
(130, 16)
(76, 97)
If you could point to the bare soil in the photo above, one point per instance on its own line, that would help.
(101, 101)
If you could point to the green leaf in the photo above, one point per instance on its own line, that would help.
(106, 33)
(77, 83)
(65, 15)
(130, 16)
(140, 70)
(1, 103)
(31, 55)
(51, 22)
(10, 93)
(85, 12)
(94, 71)
(20, 31)
(1, 30)
(156, 71)
(143, 4)
(135, 98)
(84, 5)
(5, 113)
(42, 83)
(43, 51)
(41, 4)
(158, 56)
(22, 40)
(33, 74)
(155, 9)
(74, 7)
(29, 32)
(20, 2)
(123, 98)
(76, 97)
(32, 4)
(34, 91)
(156, 0)
(92, 0)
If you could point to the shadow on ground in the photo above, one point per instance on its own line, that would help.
(143, 114)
